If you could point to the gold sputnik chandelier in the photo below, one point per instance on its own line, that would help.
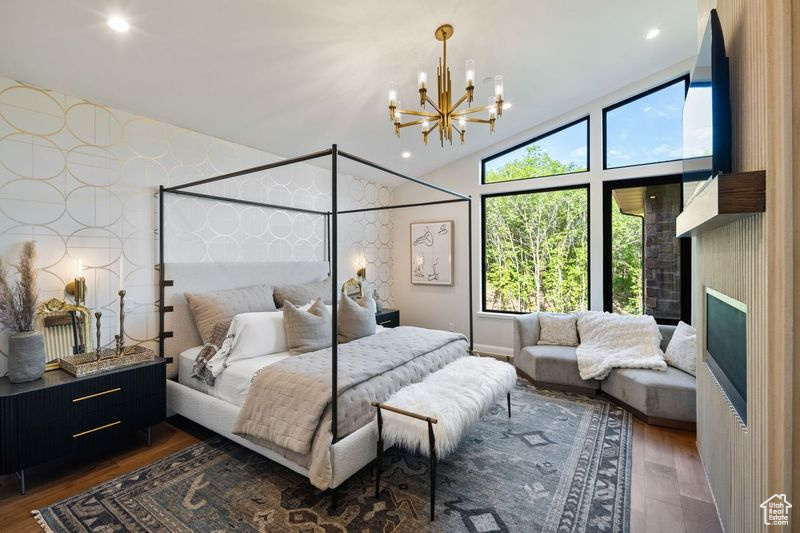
(446, 115)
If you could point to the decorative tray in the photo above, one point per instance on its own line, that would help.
(84, 364)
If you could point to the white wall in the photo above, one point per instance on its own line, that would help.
(80, 178)
(438, 307)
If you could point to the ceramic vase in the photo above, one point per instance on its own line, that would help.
(25, 356)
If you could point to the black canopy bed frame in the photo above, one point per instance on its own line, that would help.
(330, 247)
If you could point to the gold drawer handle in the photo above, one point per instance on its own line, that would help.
(386, 322)
(82, 433)
(109, 391)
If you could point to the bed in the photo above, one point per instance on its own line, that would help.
(219, 406)
(336, 437)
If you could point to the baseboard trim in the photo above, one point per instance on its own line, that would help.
(488, 349)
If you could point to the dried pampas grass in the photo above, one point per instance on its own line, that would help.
(18, 300)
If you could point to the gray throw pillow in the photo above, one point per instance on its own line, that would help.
(307, 331)
(304, 293)
(356, 319)
(210, 308)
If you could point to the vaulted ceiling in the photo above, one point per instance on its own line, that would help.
(294, 77)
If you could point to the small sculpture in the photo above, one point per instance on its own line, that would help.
(97, 316)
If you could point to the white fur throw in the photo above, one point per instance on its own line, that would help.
(611, 341)
(457, 396)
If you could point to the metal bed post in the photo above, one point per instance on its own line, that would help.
(469, 248)
(160, 271)
(333, 262)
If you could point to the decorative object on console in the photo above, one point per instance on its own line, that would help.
(352, 288)
(26, 357)
(445, 113)
(85, 364)
(67, 330)
(432, 253)
(378, 304)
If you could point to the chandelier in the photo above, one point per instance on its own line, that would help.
(446, 116)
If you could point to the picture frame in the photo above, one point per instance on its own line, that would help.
(432, 248)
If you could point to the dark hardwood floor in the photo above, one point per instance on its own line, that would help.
(669, 487)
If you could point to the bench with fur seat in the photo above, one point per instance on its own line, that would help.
(432, 416)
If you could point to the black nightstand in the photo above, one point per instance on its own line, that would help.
(60, 415)
(388, 318)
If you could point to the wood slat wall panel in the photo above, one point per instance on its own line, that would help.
(737, 260)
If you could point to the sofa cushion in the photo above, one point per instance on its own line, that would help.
(553, 364)
(670, 394)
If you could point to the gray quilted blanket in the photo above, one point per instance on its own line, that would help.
(288, 404)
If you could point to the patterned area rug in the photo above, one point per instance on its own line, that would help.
(561, 463)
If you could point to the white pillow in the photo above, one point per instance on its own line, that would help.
(250, 335)
(682, 349)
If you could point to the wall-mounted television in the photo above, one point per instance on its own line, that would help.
(707, 110)
(726, 347)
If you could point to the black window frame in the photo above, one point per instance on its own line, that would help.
(523, 144)
(587, 188)
(684, 78)
(685, 245)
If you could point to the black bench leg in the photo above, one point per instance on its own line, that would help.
(379, 456)
(432, 443)
(508, 399)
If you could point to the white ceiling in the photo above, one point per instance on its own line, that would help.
(294, 77)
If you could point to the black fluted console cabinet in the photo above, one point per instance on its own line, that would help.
(61, 415)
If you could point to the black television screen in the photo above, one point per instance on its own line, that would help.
(707, 111)
(726, 347)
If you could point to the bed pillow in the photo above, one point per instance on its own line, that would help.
(356, 318)
(210, 308)
(558, 329)
(210, 349)
(682, 349)
(307, 331)
(302, 294)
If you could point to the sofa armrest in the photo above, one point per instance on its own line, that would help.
(666, 335)
(526, 331)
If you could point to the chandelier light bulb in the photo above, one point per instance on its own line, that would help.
(398, 116)
(462, 124)
(422, 77)
(498, 86)
(118, 24)
(392, 94)
(425, 125)
(469, 68)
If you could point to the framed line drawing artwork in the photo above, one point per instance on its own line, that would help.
(432, 253)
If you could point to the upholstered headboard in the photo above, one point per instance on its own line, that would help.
(203, 277)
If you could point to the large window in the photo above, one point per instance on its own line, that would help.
(646, 267)
(561, 151)
(536, 250)
(647, 128)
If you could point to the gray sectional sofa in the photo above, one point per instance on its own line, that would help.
(661, 398)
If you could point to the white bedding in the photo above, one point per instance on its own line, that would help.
(230, 386)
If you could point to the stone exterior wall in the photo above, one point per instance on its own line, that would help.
(662, 283)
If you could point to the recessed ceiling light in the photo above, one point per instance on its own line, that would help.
(118, 24)
(652, 34)
(406, 155)
(506, 105)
